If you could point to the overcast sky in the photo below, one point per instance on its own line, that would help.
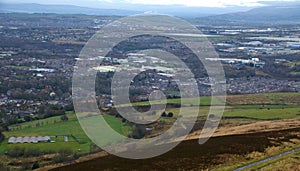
(202, 3)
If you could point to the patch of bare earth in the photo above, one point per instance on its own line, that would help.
(262, 126)
(80, 160)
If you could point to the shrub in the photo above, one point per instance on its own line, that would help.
(65, 151)
(16, 151)
(170, 114)
(211, 116)
(64, 118)
(139, 132)
(35, 165)
(2, 137)
(49, 151)
(32, 152)
(60, 158)
(26, 165)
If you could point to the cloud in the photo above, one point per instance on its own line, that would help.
(203, 3)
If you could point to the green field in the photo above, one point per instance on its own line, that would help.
(19, 67)
(255, 112)
(204, 101)
(57, 127)
(233, 100)
(36, 123)
(266, 113)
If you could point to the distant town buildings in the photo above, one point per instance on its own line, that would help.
(255, 62)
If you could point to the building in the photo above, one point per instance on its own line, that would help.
(295, 46)
(27, 139)
(12, 140)
(66, 139)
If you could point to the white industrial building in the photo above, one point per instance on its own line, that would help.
(32, 139)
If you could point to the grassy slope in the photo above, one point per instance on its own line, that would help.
(237, 109)
(248, 99)
(69, 127)
(264, 114)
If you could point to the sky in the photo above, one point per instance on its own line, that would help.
(204, 3)
(193, 3)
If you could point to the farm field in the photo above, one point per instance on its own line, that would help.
(246, 99)
(266, 113)
(52, 127)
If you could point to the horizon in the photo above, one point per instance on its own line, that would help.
(125, 3)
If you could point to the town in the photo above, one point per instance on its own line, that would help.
(37, 63)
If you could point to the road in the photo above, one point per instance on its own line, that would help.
(268, 159)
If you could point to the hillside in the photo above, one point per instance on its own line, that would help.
(118, 9)
(62, 9)
(268, 14)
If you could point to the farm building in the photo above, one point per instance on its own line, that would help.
(66, 139)
(19, 140)
(11, 140)
(26, 140)
(33, 139)
(43, 139)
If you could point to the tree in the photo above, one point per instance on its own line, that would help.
(35, 165)
(139, 132)
(2, 137)
(164, 114)
(170, 114)
(65, 151)
(211, 116)
(27, 118)
(64, 118)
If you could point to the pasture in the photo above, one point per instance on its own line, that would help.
(53, 126)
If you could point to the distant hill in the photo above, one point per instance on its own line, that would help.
(62, 9)
(274, 13)
(269, 14)
(126, 9)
